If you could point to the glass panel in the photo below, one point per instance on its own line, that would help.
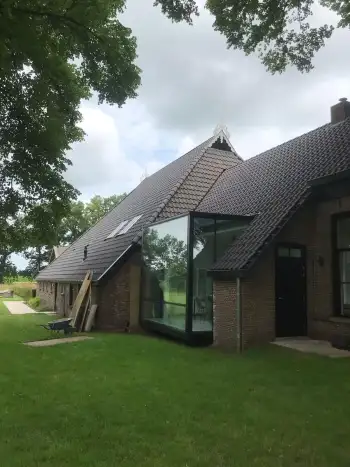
(226, 232)
(345, 303)
(203, 259)
(165, 313)
(344, 262)
(283, 252)
(164, 273)
(343, 232)
(295, 253)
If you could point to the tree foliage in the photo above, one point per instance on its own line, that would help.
(63, 231)
(279, 32)
(52, 56)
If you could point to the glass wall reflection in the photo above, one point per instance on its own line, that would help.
(164, 282)
(168, 279)
(203, 259)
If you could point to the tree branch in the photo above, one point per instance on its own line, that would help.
(64, 18)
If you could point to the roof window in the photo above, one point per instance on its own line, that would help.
(123, 227)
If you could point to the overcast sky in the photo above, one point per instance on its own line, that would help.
(190, 83)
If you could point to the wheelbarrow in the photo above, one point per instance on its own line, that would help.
(60, 325)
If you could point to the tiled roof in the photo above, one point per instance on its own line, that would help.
(272, 185)
(150, 199)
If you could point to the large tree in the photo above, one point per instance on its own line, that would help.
(278, 31)
(53, 55)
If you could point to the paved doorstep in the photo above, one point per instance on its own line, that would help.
(50, 342)
(307, 345)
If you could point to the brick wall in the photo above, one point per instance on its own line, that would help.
(46, 293)
(322, 323)
(224, 314)
(114, 301)
(310, 227)
(258, 289)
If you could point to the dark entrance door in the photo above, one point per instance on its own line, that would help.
(290, 291)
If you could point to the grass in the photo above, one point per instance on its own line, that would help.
(130, 400)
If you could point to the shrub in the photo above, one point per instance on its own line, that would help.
(23, 292)
(34, 302)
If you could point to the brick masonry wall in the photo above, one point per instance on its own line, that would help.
(224, 314)
(114, 301)
(310, 227)
(322, 321)
(258, 289)
(46, 293)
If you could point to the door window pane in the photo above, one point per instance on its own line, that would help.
(343, 233)
(164, 279)
(345, 289)
(283, 252)
(203, 259)
(344, 266)
(295, 253)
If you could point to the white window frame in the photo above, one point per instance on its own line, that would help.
(128, 226)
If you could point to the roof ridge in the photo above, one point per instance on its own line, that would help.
(183, 178)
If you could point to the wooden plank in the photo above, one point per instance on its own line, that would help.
(90, 318)
(80, 297)
(87, 306)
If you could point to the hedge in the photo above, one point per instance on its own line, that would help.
(23, 292)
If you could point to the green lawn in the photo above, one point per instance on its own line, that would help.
(126, 400)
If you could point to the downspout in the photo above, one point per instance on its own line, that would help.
(238, 315)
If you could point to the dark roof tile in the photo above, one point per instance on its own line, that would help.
(273, 184)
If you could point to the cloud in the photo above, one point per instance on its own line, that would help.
(101, 164)
(191, 81)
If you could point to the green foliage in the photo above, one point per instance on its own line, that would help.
(165, 253)
(52, 56)
(34, 302)
(279, 32)
(24, 292)
(178, 10)
(10, 279)
(98, 207)
(78, 219)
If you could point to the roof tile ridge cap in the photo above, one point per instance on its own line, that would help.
(175, 189)
(181, 181)
(236, 157)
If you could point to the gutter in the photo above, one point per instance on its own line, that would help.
(238, 315)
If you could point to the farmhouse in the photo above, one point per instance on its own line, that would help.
(214, 249)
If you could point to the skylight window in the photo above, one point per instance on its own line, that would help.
(123, 227)
(117, 229)
(128, 226)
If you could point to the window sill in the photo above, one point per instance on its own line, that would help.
(340, 319)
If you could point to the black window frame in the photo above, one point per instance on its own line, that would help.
(337, 282)
(187, 334)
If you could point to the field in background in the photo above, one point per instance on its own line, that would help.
(26, 285)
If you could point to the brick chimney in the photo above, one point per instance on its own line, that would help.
(340, 111)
